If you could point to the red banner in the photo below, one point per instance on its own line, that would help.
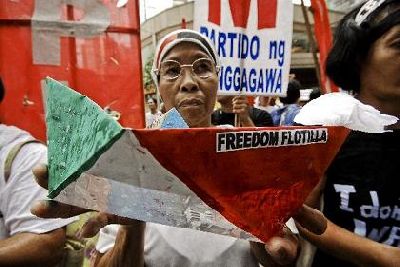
(93, 47)
(323, 34)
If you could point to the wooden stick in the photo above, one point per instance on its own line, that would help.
(237, 120)
(312, 42)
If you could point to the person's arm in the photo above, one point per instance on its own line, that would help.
(346, 245)
(128, 249)
(32, 241)
(27, 249)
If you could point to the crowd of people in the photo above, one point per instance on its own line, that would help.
(360, 223)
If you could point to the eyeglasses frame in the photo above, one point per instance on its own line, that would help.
(217, 68)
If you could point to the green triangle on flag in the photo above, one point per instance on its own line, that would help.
(78, 132)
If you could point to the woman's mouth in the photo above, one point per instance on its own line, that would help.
(192, 102)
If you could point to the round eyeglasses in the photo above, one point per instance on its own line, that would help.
(172, 69)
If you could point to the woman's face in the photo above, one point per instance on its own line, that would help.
(194, 97)
(380, 71)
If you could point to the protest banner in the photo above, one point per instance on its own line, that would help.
(89, 44)
(253, 40)
(243, 182)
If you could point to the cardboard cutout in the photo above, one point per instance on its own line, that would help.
(241, 182)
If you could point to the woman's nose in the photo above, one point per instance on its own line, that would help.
(188, 81)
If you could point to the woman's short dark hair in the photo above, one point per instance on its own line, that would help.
(352, 43)
(293, 92)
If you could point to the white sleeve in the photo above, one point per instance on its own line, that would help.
(107, 238)
(341, 109)
(21, 191)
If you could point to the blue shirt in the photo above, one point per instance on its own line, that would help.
(285, 115)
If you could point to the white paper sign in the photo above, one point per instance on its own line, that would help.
(253, 39)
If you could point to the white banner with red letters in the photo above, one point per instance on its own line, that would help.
(253, 39)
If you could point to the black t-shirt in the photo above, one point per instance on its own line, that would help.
(259, 117)
(362, 192)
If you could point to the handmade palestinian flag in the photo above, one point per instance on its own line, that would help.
(243, 182)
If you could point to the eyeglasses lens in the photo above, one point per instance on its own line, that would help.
(170, 69)
(203, 68)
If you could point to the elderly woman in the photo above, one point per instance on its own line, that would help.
(186, 72)
(361, 187)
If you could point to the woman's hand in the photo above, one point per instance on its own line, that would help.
(240, 106)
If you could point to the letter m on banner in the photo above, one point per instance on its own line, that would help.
(240, 9)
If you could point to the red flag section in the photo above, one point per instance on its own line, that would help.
(95, 46)
(324, 38)
(240, 10)
(255, 188)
